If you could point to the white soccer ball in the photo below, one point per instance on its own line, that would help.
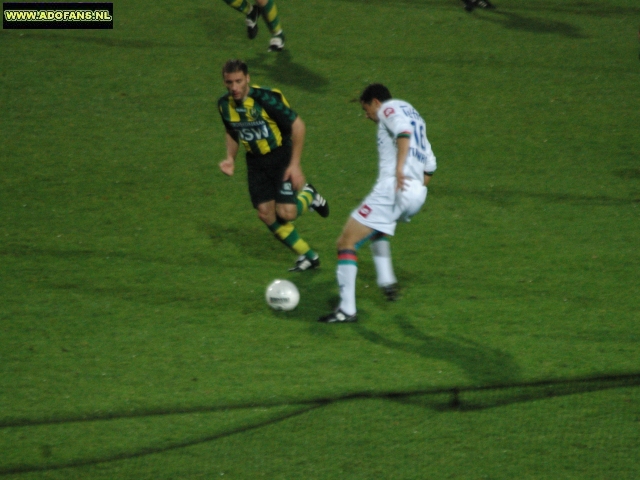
(282, 295)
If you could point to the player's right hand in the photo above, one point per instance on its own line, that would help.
(227, 166)
(400, 181)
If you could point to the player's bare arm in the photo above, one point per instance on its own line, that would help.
(402, 144)
(228, 164)
(294, 172)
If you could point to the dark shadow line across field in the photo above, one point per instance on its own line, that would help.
(154, 450)
(552, 388)
(450, 398)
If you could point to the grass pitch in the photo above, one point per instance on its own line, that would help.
(134, 337)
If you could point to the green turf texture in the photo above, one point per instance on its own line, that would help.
(135, 342)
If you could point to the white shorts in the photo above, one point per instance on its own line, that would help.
(384, 207)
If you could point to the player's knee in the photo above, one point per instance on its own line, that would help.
(287, 212)
(266, 216)
(343, 243)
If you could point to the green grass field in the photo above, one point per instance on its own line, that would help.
(135, 342)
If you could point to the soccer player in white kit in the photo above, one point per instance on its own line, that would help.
(406, 164)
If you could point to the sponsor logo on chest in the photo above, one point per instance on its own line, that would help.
(250, 134)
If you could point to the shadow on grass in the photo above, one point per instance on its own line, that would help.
(514, 21)
(97, 40)
(282, 70)
(255, 241)
(463, 399)
(594, 8)
(216, 29)
(481, 364)
(279, 68)
(628, 173)
(504, 196)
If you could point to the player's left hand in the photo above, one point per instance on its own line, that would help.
(295, 176)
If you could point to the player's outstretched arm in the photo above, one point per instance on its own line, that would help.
(228, 164)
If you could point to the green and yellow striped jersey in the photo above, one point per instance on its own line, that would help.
(262, 122)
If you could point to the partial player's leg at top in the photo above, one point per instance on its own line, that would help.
(272, 18)
(269, 12)
(470, 5)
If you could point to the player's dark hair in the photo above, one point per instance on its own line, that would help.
(235, 65)
(377, 91)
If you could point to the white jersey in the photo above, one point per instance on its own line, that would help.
(398, 118)
(385, 206)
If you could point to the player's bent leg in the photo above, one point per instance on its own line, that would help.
(286, 232)
(279, 222)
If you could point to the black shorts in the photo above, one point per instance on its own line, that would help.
(265, 172)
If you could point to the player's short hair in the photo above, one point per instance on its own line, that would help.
(235, 65)
(377, 91)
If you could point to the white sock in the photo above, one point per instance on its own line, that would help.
(346, 274)
(381, 250)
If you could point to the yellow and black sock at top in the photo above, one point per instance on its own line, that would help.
(240, 5)
(270, 15)
(286, 232)
(303, 201)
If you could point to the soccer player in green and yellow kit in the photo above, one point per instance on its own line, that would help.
(269, 12)
(273, 136)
